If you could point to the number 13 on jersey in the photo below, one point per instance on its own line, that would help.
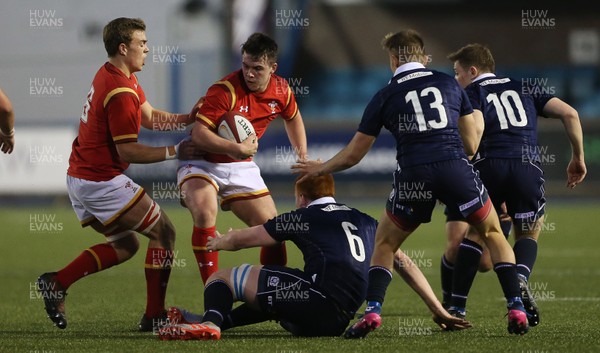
(442, 120)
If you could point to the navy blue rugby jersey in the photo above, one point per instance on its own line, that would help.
(336, 242)
(510, 109)
(421, 108)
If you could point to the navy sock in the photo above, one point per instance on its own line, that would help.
(465, 269)
(507, 275)
(447, 272)
(218, 301)
(525, 255)
(244, 315)
(379, 280)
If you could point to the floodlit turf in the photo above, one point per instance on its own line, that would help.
(103, 310)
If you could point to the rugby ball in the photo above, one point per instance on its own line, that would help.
(234, 127)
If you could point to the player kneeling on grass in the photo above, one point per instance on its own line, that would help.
(336, 242)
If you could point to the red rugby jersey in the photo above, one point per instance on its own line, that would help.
(111, 115)
(232, 94)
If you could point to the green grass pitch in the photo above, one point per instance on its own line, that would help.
(103, 309)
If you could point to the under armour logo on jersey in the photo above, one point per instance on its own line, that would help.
(128, 185)
(273, 105)
(244, 109)
(210, 263)
(135, 85)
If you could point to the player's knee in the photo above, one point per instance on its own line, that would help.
(126, 247)
(452, 245)
(203, 214)
(528, 229)
(475, 237)
(203, 210)
(485, 266)
(220, 275)
(235, 278)
(258, 218)
(203, 218)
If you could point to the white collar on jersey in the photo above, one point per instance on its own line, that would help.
(322, 200)
(482, 76)
(408, 66)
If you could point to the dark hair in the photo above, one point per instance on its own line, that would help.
(474, 55)
(260, 45)
(406, 44)
(120, 30)
(316, 187)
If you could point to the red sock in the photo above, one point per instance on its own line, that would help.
(273, 255)
(158, 270)
(208, 262)
(97, 258)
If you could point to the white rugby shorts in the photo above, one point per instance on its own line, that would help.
(233, 181)
(105, 201)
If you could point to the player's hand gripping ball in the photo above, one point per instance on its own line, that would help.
(234, 127)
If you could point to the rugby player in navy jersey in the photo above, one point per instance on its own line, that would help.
(509, 164)
(336, 242)
(429, 115)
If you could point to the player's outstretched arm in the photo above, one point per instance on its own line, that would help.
(412, 275)
(297, 135)
(348, 157)
(241, 239)
(158, 120)
(557, 109)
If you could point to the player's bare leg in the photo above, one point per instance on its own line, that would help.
(200, 197)
(257, 211)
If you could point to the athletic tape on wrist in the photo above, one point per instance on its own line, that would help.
(167, 155)
(10, 134)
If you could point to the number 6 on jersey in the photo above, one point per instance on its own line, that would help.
(357, 248)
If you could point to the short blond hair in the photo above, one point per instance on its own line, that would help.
(406, 44)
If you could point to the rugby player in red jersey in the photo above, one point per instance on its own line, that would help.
(227, 170)
(102, 196)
